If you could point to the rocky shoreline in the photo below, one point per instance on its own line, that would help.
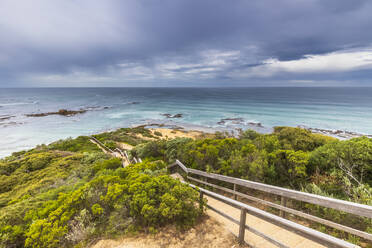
(343, 134)
(5, 121)
(170, 116)
(5, 117)
(63, 112)
(234, 125)
(68, 113)
(239, 121)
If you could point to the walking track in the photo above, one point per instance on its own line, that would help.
(285, 237)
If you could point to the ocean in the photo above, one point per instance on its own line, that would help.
(210, 108)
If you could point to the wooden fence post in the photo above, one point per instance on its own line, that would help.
(283, 202)
(243, 215)
(235, 196)
(201, 200)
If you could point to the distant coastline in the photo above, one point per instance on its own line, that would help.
(230, 127)
(338, 112)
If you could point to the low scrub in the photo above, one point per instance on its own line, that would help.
(63, 196)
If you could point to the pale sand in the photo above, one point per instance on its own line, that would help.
(284, 236)
(208, 233)
(124, 146)
(176, 133)
(168, 133)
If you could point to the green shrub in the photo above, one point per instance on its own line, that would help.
(38, 161)
(157, 133)
(152, 149)
(112, 199)
(80, 144)
(110, 144)
(300, 139)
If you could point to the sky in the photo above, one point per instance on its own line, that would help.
(182, 43)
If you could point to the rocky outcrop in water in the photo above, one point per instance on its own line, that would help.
(238, 121)
(255, 124)
(170, 116)
(336, 133)
(6, 117)
(233, 120)
(4, 121)
(63, 112)
(10, 123)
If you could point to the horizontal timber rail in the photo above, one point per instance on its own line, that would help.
(346, 206)
(309, 233)
(101, 144)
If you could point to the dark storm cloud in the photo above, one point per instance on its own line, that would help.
(118, 42)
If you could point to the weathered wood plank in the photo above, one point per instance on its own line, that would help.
(283, 202)
(249, 228)
(306, 232)
(243, 216)
(178, 163)
(349, 207)
(102, 145)
(337, 226)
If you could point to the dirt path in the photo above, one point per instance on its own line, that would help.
(99, 146)
(206, 234)
(285, 237)
(113, 153)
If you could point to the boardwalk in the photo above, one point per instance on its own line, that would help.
(259, 228)
(115, 153)
(284, 236)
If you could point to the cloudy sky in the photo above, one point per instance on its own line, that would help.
(185, 43)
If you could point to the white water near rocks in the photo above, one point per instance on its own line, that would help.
(345, 109)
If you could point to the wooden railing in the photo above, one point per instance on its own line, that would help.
(123, 154)
(102, 145)
(345, 206)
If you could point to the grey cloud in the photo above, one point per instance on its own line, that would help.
(44, 40)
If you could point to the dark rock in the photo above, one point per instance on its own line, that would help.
(96, 108)
(337, 133)
(11, 123)
(234, 120)
(173, 116)
(256, 124)
(63, 112)
(6, 117)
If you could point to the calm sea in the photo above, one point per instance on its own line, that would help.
(328, 108)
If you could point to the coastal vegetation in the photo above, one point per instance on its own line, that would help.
(70, 192)
(289, 157)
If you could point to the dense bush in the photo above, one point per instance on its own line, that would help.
(54, 197)
(289, 157)
(80, 144)
(70, 191)
(130, 194)
(300, 139)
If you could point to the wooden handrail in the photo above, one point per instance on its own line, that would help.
(289, 210)
(346, 206)
(182, 166)
(309, 233)
(101, 144)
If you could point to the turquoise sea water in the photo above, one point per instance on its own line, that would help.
(328, 108)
